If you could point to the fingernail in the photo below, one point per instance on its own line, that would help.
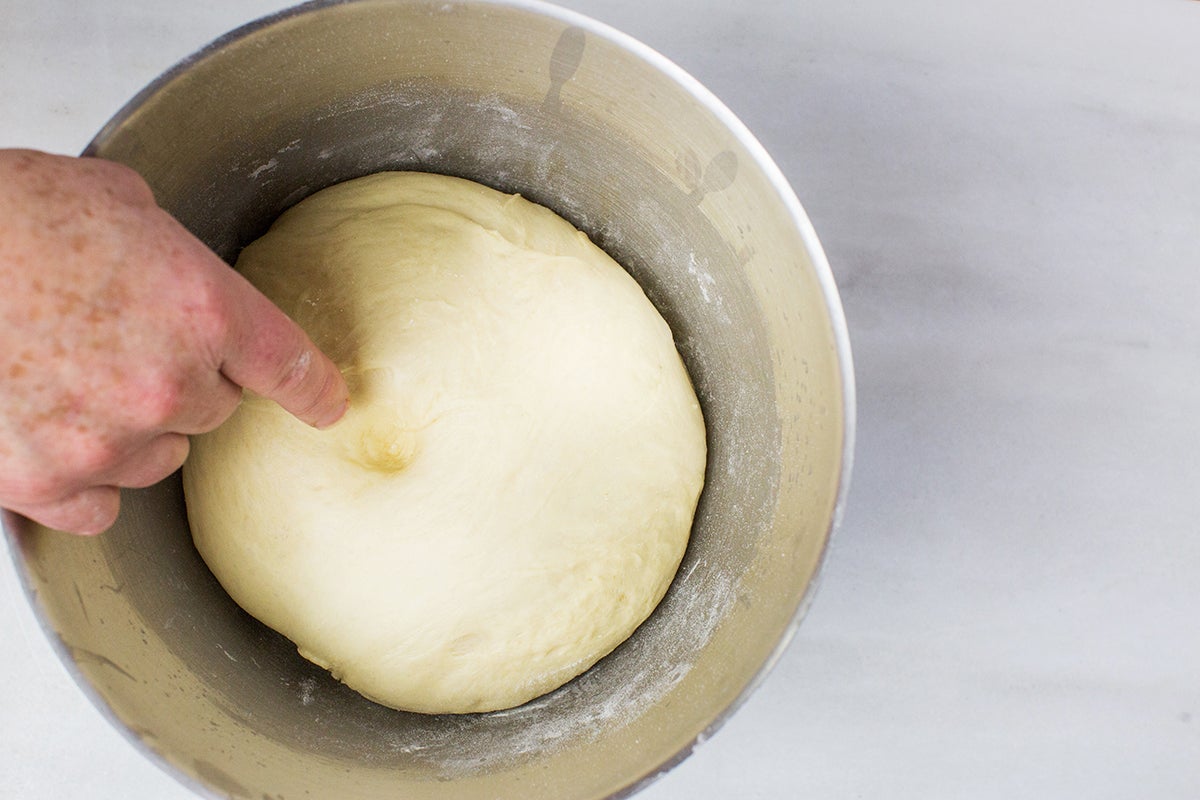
(333, 418)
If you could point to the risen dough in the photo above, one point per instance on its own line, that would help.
(512, 489)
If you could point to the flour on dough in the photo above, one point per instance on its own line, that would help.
(512, 489)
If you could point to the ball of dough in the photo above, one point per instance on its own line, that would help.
(512, 489)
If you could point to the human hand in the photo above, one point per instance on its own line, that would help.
(121, 333)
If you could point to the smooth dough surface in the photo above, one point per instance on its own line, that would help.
(513, 487)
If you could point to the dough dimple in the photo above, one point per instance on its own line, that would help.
(512, 489)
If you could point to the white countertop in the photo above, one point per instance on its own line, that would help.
(1009, 194)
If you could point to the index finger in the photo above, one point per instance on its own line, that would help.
(267, 353)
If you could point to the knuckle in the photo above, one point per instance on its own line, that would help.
(208, 417)
(208, 311)
(122, 182)
(155, 461)
(95, 456)
(44, 488)
(163, 403)
(227, 400)
(171, 451)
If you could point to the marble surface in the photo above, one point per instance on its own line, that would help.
(1009, 193)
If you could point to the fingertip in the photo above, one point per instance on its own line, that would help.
(269, 354)
(98, 511)
(316, 394)
(332, 418)
(329, 402)
(87, 513)
(159, 458)
(96, 528)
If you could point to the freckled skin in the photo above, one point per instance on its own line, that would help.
(120, 334)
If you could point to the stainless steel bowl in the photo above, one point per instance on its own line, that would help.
(527, 98)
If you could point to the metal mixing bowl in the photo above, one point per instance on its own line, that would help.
(537, 100)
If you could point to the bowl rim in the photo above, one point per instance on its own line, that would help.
(9, 522)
